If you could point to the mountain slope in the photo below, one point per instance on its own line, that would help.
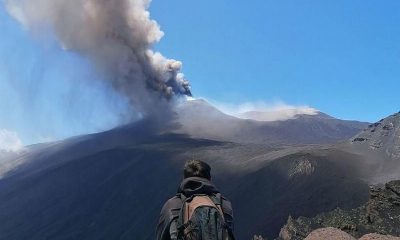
(382, 136)
(379, 144)
(201, 120)
(300, 184)
(105, 194)
(112, 185)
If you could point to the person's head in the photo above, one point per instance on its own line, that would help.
(197, 168)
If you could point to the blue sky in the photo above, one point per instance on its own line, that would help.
(341, 57)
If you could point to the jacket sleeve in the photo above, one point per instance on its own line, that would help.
(228, 214)
(169, 211)
(162, 231)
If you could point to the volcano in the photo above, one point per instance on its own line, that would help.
(111, 185)
(199, 119)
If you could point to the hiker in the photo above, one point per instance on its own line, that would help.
(198, 211)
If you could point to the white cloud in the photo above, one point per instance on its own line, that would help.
(9, 141)
(263, 111)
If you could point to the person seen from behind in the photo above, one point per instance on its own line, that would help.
(198, 210)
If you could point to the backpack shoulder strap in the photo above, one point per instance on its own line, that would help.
(217, 198)
(175, 217)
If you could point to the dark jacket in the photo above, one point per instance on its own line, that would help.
(188, 187)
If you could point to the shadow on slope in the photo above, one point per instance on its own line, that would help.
(111, 194)
(301, 184)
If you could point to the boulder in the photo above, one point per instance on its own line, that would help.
(374, 236)
(329, 233)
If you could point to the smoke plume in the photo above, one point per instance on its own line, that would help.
(265, 112)
(117, 36)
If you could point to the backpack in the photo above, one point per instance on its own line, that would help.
(200, 218)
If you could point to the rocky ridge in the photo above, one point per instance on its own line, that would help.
(382, 136)
(380, 215)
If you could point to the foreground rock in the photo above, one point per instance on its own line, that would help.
(381, 214)
(336, 234)
(374, 236)
(329, 233)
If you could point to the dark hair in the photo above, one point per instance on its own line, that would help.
(197, 168)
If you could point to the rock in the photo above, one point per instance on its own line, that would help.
(394, 186)
(302, 166)
(374, 236)
(334, 233)
(381, 214)
(359, 139)
(329, 233)
(258, 237)
(292, 232)
(381, 137)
